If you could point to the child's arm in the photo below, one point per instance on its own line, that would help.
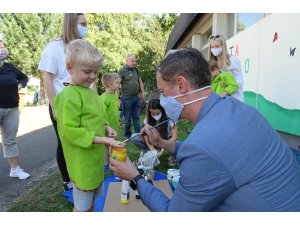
(232, 85)
(108, 141)
(110, 132)
(174, 133)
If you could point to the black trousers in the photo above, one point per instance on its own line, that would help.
(61, 162)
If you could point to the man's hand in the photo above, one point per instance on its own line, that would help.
(156, 140)
(152, 135)
(124, 170)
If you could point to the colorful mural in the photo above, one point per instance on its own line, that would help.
(270, 63)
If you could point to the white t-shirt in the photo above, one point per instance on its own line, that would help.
(236, 69)
(170, 127)
(53, 61)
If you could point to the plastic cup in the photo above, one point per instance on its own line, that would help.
(149, 173)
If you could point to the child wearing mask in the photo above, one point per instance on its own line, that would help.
(156, 114)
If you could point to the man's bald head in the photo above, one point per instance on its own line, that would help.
(131, 61)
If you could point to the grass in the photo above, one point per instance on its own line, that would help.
(47, 197)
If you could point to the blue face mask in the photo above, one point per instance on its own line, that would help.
(174, 108)
(82, 31)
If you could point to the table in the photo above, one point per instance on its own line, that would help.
(113, 204)
(100, 202)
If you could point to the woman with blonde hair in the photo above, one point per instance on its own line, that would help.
(56, 76)
(226, 62)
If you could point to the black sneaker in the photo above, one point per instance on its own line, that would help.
(67, 186)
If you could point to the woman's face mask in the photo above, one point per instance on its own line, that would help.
(82, 31)
(174, 108)
(216, 51)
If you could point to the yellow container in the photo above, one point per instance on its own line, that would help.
(119, 154)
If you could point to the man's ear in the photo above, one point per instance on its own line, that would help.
(69, 68)
(182, 83)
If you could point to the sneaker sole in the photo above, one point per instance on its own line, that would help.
(19, 177)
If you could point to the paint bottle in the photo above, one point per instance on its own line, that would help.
(119, 154)
(125, 192)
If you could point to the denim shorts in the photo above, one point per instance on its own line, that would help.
(83, 200)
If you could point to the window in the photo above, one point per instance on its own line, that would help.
(245, 20)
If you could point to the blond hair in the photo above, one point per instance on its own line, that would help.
(224, 57)
(81, 52)
(108, 79)
(69, 30)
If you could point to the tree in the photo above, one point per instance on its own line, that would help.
(26, 36)
(157, 30)
(115, 35)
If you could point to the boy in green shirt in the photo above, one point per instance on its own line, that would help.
(80, 123)
(223, 82)
(111, 82)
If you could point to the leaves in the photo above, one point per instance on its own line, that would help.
(26, 36)
(116, 35)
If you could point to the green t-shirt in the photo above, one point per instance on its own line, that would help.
(111, 107)
(224, 82)
(129, 84)
(79, 113)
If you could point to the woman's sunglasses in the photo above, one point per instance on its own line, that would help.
(215, 36)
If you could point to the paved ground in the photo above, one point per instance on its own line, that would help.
(37, 147)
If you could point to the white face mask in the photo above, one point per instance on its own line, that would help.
(157, 118)
(174, 108)
(82, 31)
(216, 51)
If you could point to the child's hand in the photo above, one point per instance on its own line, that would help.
(110, 132)
(114, 143)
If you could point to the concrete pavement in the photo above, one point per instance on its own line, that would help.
(37, 147)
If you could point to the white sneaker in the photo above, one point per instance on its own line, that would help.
(18, 172)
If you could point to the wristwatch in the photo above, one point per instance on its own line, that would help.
(134, 181)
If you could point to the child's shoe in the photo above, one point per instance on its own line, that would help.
(67, 186)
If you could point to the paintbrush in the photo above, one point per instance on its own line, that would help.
(138, 134)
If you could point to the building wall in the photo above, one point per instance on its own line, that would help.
(268, 50)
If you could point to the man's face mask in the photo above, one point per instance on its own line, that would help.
(174, 108)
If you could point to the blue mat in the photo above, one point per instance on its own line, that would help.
(100, 201)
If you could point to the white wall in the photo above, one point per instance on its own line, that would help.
(268, 68)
